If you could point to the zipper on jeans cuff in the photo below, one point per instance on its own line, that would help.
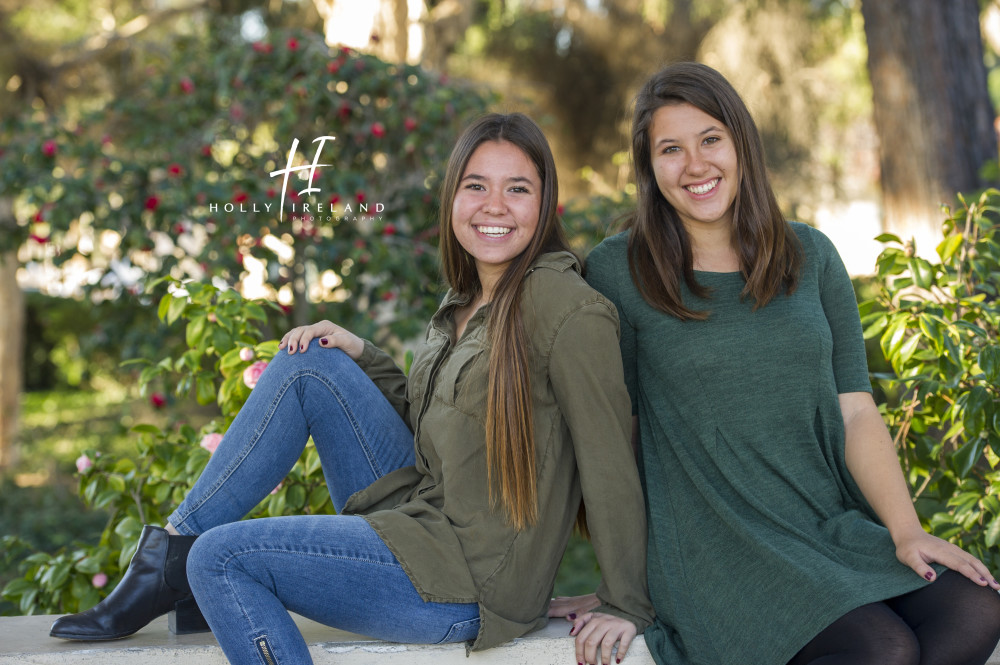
(264, 649)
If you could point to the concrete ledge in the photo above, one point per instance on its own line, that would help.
(25, 640)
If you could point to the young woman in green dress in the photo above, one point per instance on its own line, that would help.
(781, 529)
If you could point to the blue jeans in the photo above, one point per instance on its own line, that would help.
(330, 568)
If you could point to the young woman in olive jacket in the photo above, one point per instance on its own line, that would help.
(456, 487)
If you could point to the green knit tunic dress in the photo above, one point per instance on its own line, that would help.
(758, 536)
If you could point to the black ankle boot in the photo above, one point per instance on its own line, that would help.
(154, 584)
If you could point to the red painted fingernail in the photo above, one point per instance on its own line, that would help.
(618, 660)
(322, 341)
(572, 615)
(929, 576)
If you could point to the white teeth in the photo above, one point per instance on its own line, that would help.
(494, 231)
(703, 189)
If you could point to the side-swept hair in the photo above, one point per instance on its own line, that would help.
(659, 250)
(510, 438)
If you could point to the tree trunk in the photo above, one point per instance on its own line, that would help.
(11, 347)
(932, 110)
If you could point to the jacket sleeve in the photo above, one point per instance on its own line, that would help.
(387, 377)
(585, 368)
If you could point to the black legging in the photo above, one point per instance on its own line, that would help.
(952, 621)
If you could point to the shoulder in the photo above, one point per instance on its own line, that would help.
(815, 243)
(554, 290)
(612, 251)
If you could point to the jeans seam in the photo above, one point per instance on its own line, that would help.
(232, 591)
(370, 455)
(258, 433)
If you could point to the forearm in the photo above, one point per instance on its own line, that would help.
(872, 462)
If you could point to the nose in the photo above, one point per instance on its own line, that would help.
(696, 163)
(494, 203)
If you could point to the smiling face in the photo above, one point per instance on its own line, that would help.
(694, 162)
(496, 208)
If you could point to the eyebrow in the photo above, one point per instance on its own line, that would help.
(517, 179)
(708, 130)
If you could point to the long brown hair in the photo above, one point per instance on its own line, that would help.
(659, 250)
(510, 437)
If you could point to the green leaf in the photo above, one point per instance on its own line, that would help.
(989, 362)
(963, 459)
(873, 325)
(164, 307)
(888, 237)
(992, 534)
(923, 272)
(175, 309)
(949, 246)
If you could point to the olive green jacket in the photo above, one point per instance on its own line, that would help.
(436, 516)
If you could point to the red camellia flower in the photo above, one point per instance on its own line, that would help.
(359, 244)
(335, 199)
(360, 196)
(561, 210)
(262, 47)
(389, 230)
(187, 85)
(152, 202)
(271, 193)
(240, 197)
(345, 111)
(41, 240)
(49, 148)
(378, 130)
(206, 150)
(175, 169)
(158, 400)
(293, 44)
(388, 295)
(333, 66)
(410, 124)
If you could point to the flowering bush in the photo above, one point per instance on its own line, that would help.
(174, 176)
(219, 327)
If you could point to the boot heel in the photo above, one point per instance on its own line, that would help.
(186, 618)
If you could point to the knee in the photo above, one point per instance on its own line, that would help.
(205, 559)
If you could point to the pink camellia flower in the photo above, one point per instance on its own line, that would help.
(152, 202)
(83, 463)
(252, 373)
(378, 130)
(293, 44)
(187, 85)
(246, 354)
(211, 441)
(240, 197)
(158, 400)
(175, 169)
(389, 230)
(99, 580)
(262, 47)
(410, 124)
(49, 148)
(360, 196)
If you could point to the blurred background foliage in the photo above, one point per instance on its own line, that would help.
(124, 121)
